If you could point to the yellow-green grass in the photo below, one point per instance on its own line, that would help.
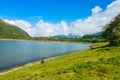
(100, 63)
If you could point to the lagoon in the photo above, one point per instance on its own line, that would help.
(13, 52)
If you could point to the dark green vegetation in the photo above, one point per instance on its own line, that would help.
(100, 63)
(112, 32)
(93, 38)
(86, 38)
(8, 31)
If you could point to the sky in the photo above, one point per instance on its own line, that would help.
(59, 17)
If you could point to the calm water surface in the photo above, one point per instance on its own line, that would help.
(19, 52)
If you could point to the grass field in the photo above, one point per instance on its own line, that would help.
(100, 63)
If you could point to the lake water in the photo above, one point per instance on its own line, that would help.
(14, 53)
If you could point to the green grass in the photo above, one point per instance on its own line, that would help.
(100, 63)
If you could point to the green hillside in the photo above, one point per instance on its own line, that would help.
(8, 31)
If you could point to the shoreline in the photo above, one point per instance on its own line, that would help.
(41, 40)
(40, 61)
(13, 39)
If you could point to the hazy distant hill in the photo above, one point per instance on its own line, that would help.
(12, 32)
(70, 35)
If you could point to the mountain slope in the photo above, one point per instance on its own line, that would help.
(12, 32)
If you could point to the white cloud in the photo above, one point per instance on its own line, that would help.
(50, 29)
(96, 10)
(92, 24)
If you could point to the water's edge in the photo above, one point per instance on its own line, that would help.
(40, 61)
(7, 70)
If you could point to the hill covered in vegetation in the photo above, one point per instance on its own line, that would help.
(8, 31)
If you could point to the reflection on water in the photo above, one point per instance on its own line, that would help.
(18, 52)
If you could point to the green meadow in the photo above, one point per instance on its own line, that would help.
(102, 62)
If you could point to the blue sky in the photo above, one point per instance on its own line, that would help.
(49, 10)
(59, 17)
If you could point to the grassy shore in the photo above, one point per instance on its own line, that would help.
(100, 63)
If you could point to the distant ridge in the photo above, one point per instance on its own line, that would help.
(70, 35)
(9, 31)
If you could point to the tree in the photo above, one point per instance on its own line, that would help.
(112, 32)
